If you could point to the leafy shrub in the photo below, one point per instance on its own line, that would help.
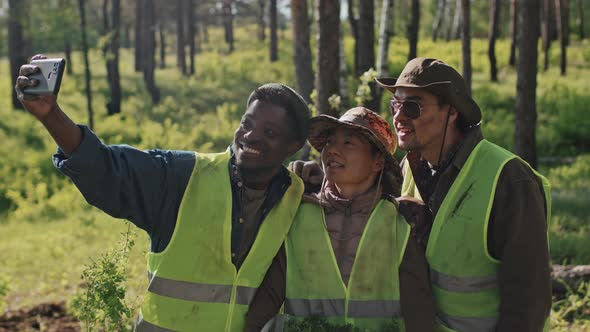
(101, 305)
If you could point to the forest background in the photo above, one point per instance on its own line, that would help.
(176, 75)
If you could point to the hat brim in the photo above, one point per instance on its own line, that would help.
(463, 103)
(321, 125)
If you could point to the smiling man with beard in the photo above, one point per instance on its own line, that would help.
(216, 221)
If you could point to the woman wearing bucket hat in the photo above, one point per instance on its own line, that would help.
(350, 257)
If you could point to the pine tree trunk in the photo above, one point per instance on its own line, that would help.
(114, 106)
(366, 43)
(581, 20)
(180, 41)
(138, 35)
(328, 63)
(562, 31)
(385, 33)
(343, 84)
(436, 23)
(513, 31)
(148, 52)
(274, 48)
(456, 33)
(466, 42)
(105, 24)
(82, 7)
(545, 32)
(162, 39)
(448, 20)
(494, 20)
(190, 10)
(413, 27)
(354, 30)
(228, 24)
(261, 21)
(526, 85)
(68, 54)
(17, 44)
(302, 49)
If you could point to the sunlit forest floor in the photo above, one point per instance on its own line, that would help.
(48, 232)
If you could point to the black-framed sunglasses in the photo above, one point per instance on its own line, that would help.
(410, 108)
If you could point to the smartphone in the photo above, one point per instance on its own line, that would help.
(49, 77)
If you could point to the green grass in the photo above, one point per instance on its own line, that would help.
(49, 232)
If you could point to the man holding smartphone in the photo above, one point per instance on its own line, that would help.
(216, 221)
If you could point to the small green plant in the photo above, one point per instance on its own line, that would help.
(575, 307)
(4, 288)
(101, 305)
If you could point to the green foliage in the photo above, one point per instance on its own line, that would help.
(363, 92)
(572, 177)
(101, 306)
(4, 288)
(573, 312)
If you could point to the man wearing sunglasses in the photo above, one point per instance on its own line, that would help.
(487, 245)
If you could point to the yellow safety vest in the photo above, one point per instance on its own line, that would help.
(315, 286)
(193, 284)
(463, 274)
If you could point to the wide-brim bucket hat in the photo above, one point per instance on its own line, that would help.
(441, 80)
(372, 126)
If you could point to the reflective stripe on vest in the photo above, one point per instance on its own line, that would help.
(480, 324)
(192, 291)
(145, 326)
(336, 307)
(462, 284)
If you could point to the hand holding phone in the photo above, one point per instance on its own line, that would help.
(48, 78)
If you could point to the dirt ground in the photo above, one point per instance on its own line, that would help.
(46, 317)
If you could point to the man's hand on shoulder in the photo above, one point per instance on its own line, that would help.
(310, 172)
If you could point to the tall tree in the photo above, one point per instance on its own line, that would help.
(546, 31)
(413, 27)
(436, 23)
(354, 30)
(366, 46)
(112, 60)
(261, 20)
(456, 32)
(138, 35)
(328, 63)
(180, 41)
(105, 25)
(162, 39)
(190, 10)
(274, 48)
(66, 29)
(466, 42)
(494, 20)
(228, 24)
(301, 48)
(447, 21)
(581, 19)
(513, 31)
(562, 31)
(148, 50)
(82, 8)
(525, 116)
(385, 33)
(17, 42)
